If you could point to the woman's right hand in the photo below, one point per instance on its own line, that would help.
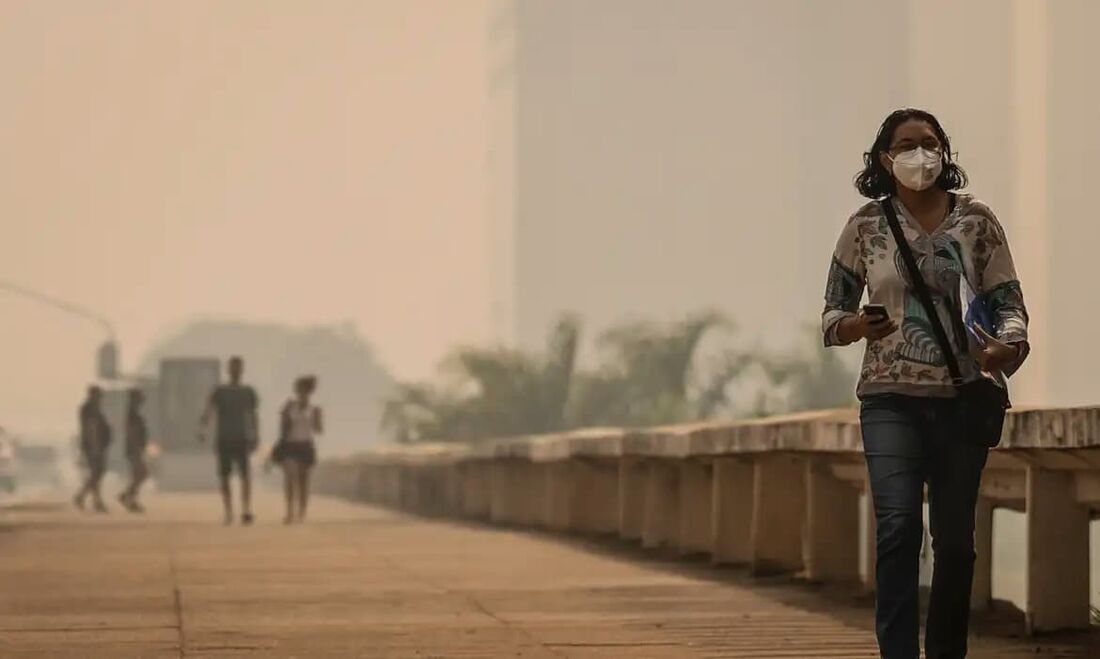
(862, 326)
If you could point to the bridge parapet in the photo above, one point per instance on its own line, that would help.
(782, 494)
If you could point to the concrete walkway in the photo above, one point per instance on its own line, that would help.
(361, 582)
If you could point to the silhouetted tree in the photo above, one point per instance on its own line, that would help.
(648, 377)
(812, 379)
(499, 392)
(496, 392)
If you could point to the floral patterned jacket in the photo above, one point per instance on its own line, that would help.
(969, 243)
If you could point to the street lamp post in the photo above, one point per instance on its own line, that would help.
(107, 354)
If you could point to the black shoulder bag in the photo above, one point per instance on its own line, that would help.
(278, 452)
(981, 404)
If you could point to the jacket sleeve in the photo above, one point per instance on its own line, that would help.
(1000, 289)
(846, 281)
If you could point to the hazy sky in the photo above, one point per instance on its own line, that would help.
(304, 162)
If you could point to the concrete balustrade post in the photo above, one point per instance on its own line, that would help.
(436, 496)
(519, 486)
(1058, 553)
(364, 484)
(394, 477)
(731, 511)
(475, 489)
(595, 503)
(981, 593)
(582, 481)
(633, 475)
(832, 525)
(373, 481)
(695, 498)
(504, 505)
(454, 490)
(869, 537)
(409, 488)
(779, 502)
(533, 489)
(417, 488)
(659, 524)
(422, 478)
(392, 481)
(558, 505)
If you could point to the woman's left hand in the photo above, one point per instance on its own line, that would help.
(995, 356)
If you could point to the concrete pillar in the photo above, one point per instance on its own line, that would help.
(595, 503)
(430, 487)
(391, 488)
(633, 474)
(502, 496)
(981, 594)
(659, 526)
(779, 505)
(410, 488)
(364, 484)
(869, 533)
(454, 490)
(695, 498)
(375, 484)
(529, 486)
(475, 490)
(440, 496)
(731, 511)
(371, 482)
(424, 488)
(1057, 553)
(832, 525)
(558, 502)
(388, 489)
(400, 487)
(420, 486)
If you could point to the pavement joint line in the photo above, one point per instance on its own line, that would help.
(177, 595)
(624, 644)
(111, 628)
(469, 597)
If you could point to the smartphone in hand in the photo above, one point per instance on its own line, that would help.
(876, 313)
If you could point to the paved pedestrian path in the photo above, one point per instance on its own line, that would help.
(362, 582)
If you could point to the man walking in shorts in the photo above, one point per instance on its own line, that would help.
(237, 432)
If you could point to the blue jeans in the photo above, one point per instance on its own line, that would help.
(909, 441)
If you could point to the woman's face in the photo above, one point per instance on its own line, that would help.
(907, 136)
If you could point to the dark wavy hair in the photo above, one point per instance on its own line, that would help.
(876, 182)
(306, 382)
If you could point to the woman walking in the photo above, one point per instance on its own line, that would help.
(945, 326)
(296, 451)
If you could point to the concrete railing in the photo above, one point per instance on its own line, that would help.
(781, 494)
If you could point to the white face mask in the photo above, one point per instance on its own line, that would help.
(917, 168)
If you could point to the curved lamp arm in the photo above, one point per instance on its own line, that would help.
(61, 305)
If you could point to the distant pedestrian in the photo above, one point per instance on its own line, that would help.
(299, 424)
(237, 427)
(137, 440)
(95, 437)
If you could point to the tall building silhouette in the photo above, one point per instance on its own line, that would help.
(650, 158)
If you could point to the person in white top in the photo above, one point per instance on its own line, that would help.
(300, 423)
